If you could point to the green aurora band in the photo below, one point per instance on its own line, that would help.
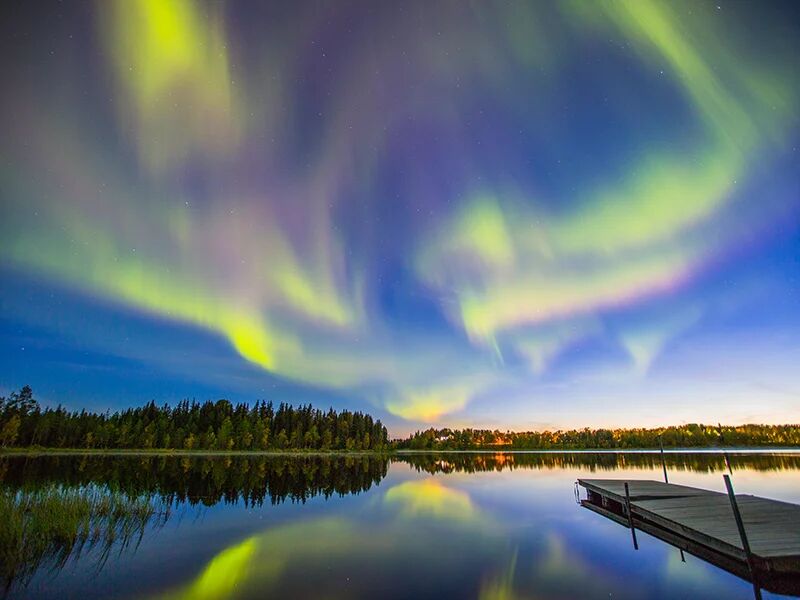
(271, 255)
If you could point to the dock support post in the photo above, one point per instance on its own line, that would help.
(666, 480)
(663, 462)
(630, 516)
(728, 463)
(743, 535)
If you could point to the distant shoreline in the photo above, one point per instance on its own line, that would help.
(184, 452)
(355, 453)
(696, 450)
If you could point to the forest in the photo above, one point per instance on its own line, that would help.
(218, 425)
(221, 425)
(681, 436)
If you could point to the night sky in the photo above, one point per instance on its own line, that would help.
(493, 214)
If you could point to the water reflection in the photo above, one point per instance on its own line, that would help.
(207, 480)
(425, 539)
(416, 525)
(430, 498)
(62, 508)
(354, 556)
(698, 462)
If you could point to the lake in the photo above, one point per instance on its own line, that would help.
(446, 525)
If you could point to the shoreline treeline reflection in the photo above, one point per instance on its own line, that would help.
(256, 479)
(199, 479)
(471, 462)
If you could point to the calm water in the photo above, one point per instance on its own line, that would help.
(418, 526)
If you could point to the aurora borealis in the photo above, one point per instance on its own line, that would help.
(499, 214)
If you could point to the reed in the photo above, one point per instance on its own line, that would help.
(47, 526)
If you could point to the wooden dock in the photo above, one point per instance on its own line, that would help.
(702, 523)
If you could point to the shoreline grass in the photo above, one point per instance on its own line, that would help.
(46, 527)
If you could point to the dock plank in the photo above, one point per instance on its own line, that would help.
(643, 488)
(705, 517)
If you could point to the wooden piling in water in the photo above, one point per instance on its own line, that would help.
(737, 515)
(630, 516)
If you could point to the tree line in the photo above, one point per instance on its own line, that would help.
(681, 436)
(218, 425)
